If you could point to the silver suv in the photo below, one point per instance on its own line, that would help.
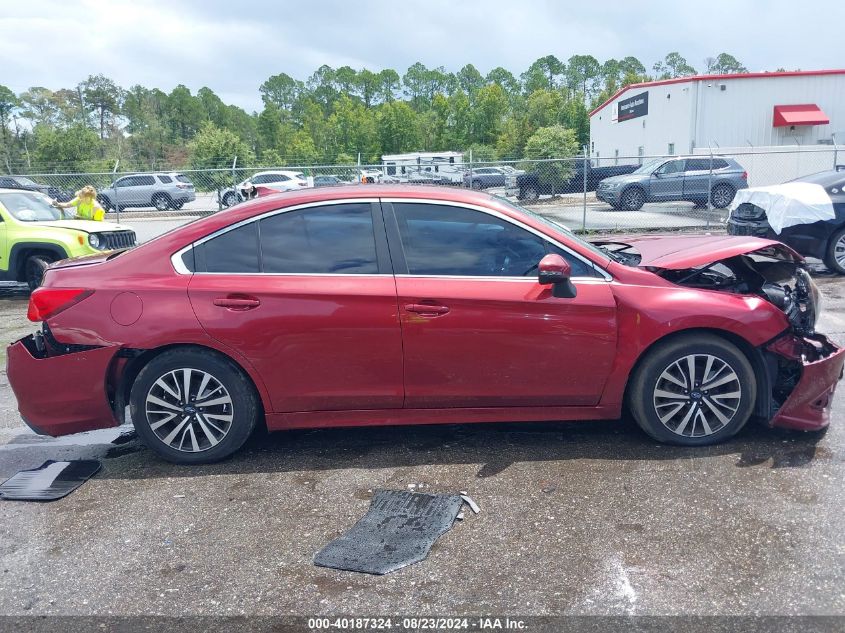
(163, 191)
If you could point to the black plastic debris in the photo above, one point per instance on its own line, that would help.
(50, 481)
(398, 530)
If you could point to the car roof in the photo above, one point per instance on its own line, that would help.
(823, 178)
(286, 172)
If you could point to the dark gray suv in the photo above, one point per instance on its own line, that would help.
(677, 178)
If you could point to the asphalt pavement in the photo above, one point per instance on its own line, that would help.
(576, 518)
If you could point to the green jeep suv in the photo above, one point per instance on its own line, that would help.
(33, 234)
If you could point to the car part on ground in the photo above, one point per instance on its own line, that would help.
(50, 481)
(398, 530)
(370, 290)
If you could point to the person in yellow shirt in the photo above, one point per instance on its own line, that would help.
(85, 202)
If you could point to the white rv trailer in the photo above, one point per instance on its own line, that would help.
(447, 165)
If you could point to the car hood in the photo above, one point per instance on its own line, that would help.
(689, 251)
(88, 226)
(623, 178)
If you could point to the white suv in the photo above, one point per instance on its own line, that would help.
(275, 180)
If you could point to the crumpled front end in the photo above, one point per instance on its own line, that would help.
(809, 368)
(64, 393)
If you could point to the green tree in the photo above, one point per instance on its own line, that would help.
(543, 108)
(215, 147)
(213, 107)
(102, 96)
(281, 90)
(505, 79)
(397, 129)
(555, 141)
(543, 74)
(469, 79)
(367, 85)
(389, 85)
(38, 106)
(8, 102)
(581, 71)
(726, 64)
(75, 148)
(674, 65)
(302, 150)
(184, 113)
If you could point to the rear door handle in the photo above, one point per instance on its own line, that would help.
(426, 310)
(237, 303)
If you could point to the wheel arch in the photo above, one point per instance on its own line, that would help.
(755, 356)
(123, 380)
(20, 251)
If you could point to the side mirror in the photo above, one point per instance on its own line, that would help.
(555, 271)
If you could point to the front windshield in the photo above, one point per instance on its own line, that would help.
(649, 166)
(559, 226)
(29, 207)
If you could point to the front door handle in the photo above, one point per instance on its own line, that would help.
(237, 302)
(426, 310)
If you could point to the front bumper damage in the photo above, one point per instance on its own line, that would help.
(61, 394)
(809, 368)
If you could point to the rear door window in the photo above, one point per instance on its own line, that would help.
(235, 251)
(330, 239)
(165, 179)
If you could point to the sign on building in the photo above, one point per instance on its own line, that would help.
(633, 107)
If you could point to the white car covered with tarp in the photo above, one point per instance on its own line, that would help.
(807, 214)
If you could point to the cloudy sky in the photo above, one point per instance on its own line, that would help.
(232, 47)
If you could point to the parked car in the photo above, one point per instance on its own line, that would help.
(535, 183)
(33, 234)
(263, 183)
(395, 304)
(328, 180)
(486, 177)
(163, 191)
(684, 178)
(809, 216)
(27, 184)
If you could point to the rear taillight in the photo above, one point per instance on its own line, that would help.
(181, 185)
(745, 175)
(47, 302)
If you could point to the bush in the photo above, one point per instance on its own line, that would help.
(554, 141)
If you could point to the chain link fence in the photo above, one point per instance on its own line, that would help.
(589, 194)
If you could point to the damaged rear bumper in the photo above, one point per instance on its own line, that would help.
(807, 405)
(61, 394)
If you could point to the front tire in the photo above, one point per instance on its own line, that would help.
(193, 406)
(35, 267)
(693, 390)
(230, 199)
(529, 194)
(835, 253)
(632, 199)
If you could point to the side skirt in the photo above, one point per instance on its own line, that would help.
(384, 417)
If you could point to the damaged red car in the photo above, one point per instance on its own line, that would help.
(418, 305)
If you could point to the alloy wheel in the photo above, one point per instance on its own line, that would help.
(697, 395)
(839, 251)
(632, 200)
(161, 203)
(722, 197)
(189, 410)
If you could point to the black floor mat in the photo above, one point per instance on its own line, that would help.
(50, 481)
(398, 530)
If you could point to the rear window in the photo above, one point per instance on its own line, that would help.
(165, 179)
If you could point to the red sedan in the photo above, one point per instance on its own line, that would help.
(415, 305)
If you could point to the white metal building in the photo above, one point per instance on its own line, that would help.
(444, 164)
(678, 116)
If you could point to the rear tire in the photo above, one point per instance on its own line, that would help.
(713, 408)
(161, 201)
(834, 257)
(722, 196)
(35, 267)
(211, 418)
(529, 194)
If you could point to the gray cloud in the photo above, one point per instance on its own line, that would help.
(232, 47)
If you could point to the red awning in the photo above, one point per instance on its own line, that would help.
(806, 114)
